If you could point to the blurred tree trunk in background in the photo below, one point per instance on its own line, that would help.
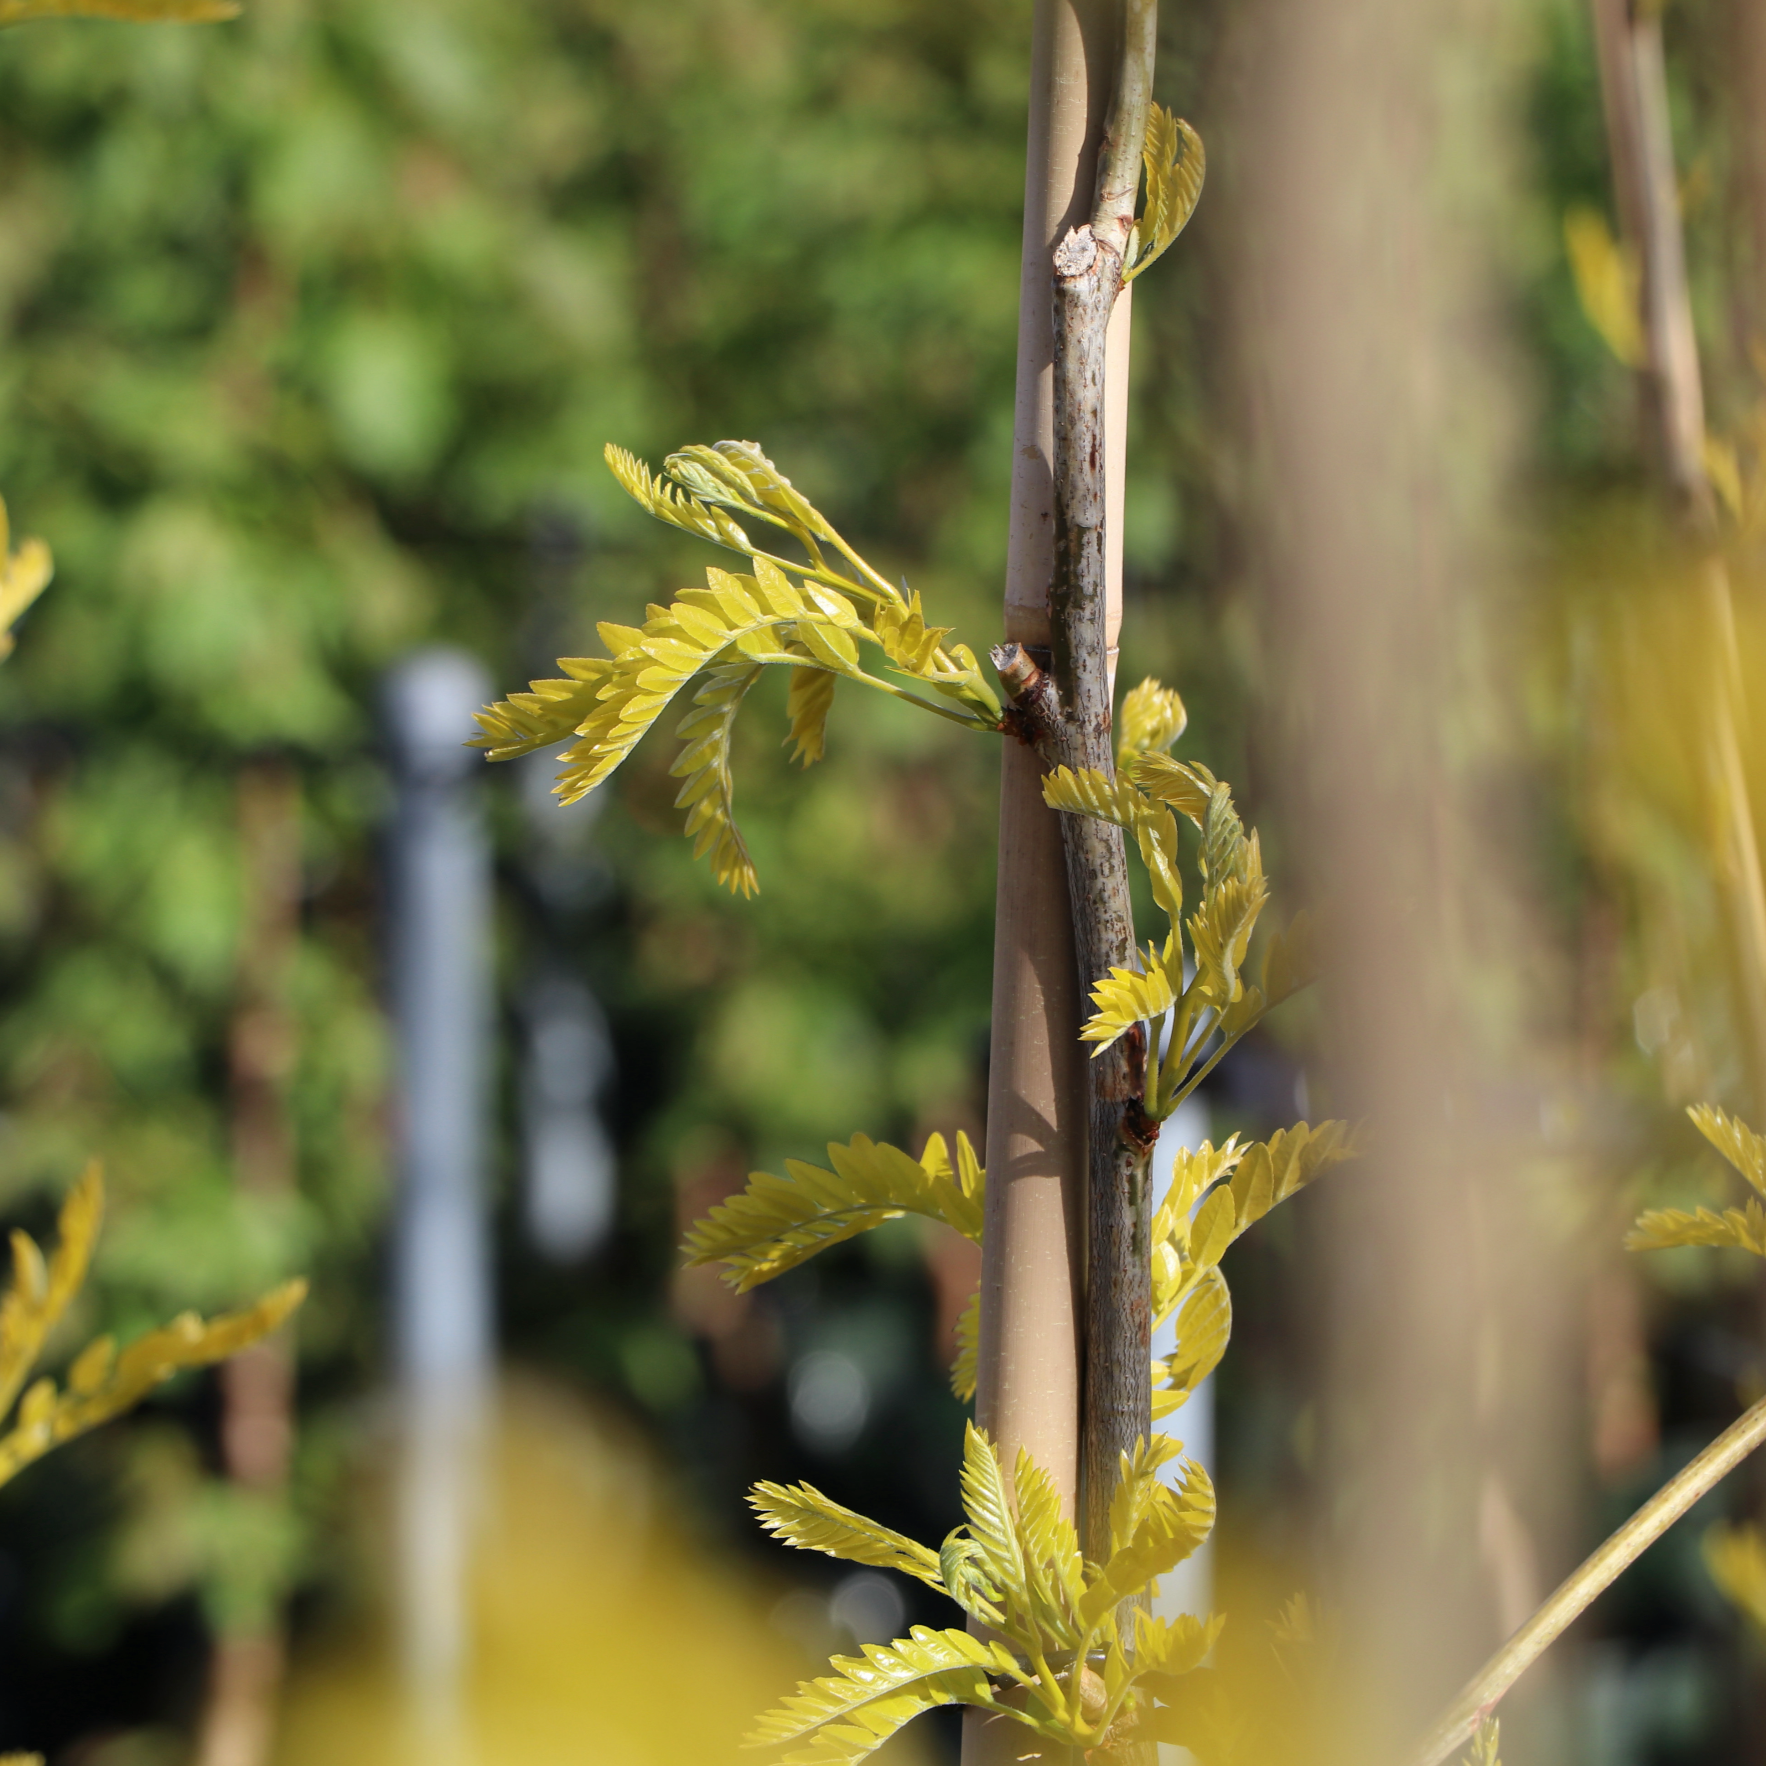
(257, 1419)
(1369, 267)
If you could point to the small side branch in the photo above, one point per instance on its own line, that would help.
(1583, 1584)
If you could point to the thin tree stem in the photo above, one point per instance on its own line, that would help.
(1579, 1589)
(1117, 1402)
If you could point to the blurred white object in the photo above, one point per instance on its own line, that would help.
(439, 909)
(1191, 1586)
(830, 1400)
(868, 1606)
(570, 1190)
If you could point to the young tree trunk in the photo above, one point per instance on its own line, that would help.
(245, 1672)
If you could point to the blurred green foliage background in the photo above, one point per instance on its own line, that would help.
(314, 325)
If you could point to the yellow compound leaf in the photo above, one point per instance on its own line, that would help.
(1738, 1143)
(802, 1516)
(1269, 1173)
(1167, 1526)
(852, 1712)
(708, 794)
(40, 1291)
(991, 1523)
(1054, 1572)
(1186, 785)
(1662, 1229)
(104, 1384)
(1204, 1325)
(777, 1223)
(808, 701)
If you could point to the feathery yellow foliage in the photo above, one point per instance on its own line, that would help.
(1215, 1003)
(1017, 1570)
(727, 632)
(25, 573)
(1742, 1228)
(101, 1383)
(1216, 1194)
(778, 1222)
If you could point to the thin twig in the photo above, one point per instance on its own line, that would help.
(1573, 1595)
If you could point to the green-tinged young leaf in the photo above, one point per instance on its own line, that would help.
(1743, 1228)
(965, 1369)
(1269, 1172)
(708, 795)
(1124, 998)
(848, 1714)
(1738, 1143)
(802, 1516)
(777, 1223)
(1088, 792)
(1172, 1647)
(1054, 1571)
(1138, 1484)
(1151, 719)
(1186, 785)
(992, 1526)
(25, 573)
(667, 502)
(1169, 1525)
(1175, 167)
(808, 701)
(1660, 1229)
(1204, 1325)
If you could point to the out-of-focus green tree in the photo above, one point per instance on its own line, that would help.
(312, 327)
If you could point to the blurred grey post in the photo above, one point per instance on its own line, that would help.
(440, 948)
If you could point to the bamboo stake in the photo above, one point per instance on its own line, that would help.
(1573, 1596)
(1028, 1386)
(1029, 1363)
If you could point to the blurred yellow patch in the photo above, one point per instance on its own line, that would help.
(600, 1630)
(24, 574)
